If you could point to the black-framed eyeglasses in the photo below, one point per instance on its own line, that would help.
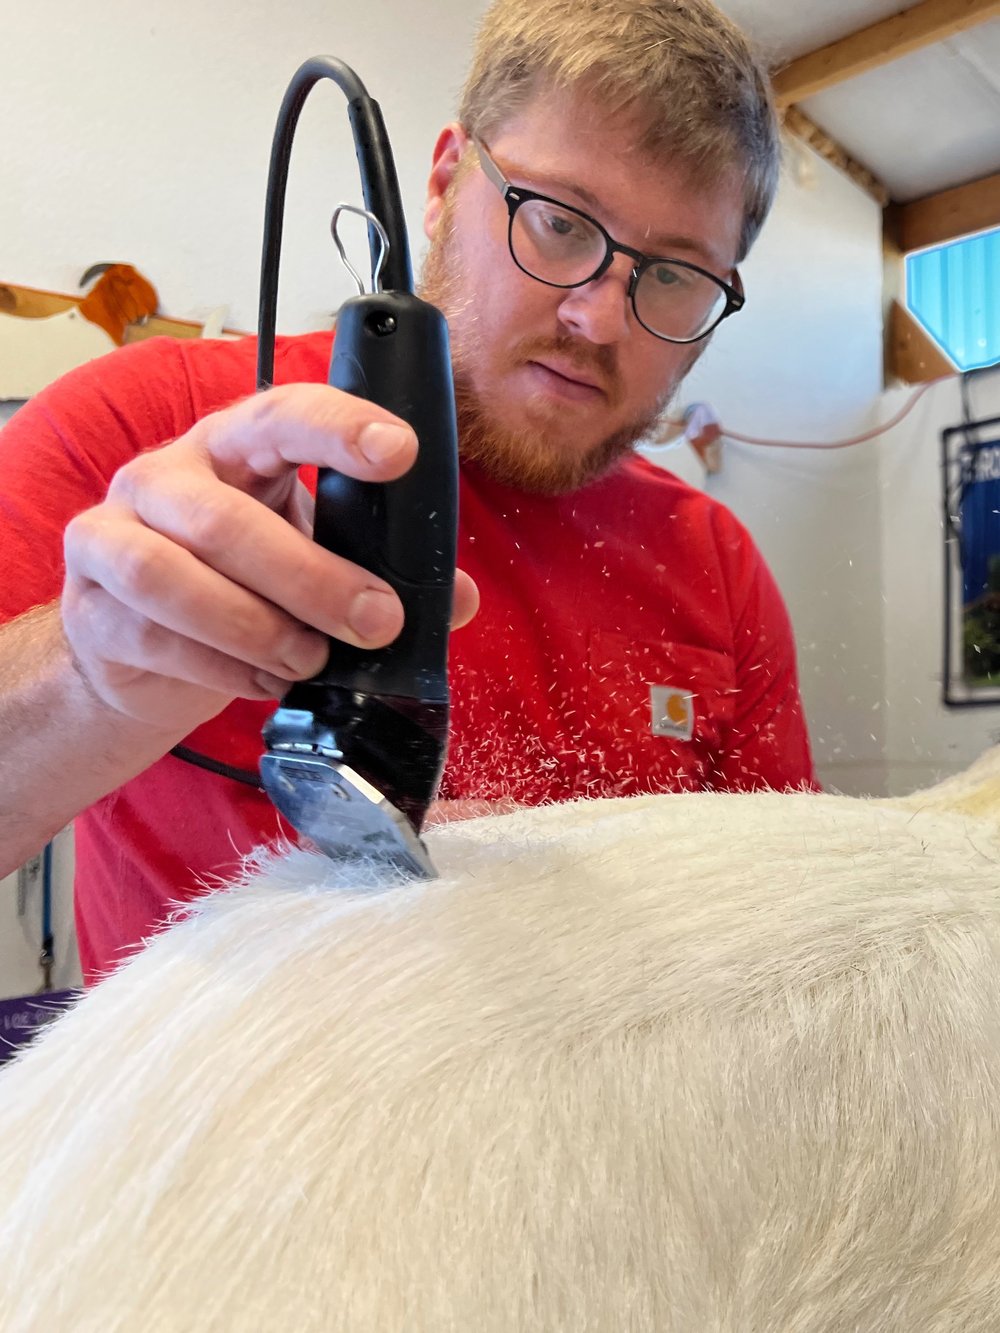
(561, 246)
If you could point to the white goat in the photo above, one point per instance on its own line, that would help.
(684, 1063)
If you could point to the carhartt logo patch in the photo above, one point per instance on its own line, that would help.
(672, 712)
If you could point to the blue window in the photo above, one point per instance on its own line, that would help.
(954, 291)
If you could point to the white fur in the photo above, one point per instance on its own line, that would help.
(694, 1063)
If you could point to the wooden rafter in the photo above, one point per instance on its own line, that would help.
(943, 217)
(798, 123)
(924, 24)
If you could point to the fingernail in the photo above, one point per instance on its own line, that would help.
(380, 443)
(375, 615)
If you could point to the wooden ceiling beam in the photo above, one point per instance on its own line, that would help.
(942, 217)
(798, 123)
(869, 48)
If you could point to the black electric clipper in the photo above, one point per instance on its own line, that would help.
(354, 754)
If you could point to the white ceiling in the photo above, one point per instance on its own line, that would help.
(920, 124)
(784, 30)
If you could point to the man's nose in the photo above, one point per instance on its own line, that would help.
(601, 310)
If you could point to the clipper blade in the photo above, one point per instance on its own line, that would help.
(345, 816)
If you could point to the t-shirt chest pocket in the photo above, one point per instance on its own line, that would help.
(660, 709)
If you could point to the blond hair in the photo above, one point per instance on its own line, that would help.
(701, 94)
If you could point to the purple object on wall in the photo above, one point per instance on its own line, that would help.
(21, 1017)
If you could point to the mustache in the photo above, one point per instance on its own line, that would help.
(594, 360)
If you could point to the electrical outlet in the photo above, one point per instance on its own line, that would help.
(29, 876)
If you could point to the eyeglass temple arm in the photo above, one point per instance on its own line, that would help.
(490, 168)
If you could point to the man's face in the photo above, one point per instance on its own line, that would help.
(552, 384)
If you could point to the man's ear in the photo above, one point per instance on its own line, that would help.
(451, 144)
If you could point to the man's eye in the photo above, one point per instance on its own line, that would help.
(562, 225)
(665, 275)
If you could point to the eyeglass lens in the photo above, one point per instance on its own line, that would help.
(562, 247)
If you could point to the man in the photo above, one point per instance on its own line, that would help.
(613, 162)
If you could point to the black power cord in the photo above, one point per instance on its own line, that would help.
(216, 766)
(378, 182)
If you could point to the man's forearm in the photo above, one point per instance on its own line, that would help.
(61, 747)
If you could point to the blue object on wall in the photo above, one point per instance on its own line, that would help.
(954, 291)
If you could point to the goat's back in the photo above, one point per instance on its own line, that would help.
(693, 1062)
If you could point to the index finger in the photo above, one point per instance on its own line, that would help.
(294, 425)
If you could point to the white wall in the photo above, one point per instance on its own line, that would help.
(21, 929)
(925, 740)
(143, 135)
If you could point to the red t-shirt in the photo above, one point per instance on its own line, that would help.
(630, 639)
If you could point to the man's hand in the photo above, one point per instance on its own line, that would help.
(196, 580)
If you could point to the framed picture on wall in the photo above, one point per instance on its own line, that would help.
(971, 478)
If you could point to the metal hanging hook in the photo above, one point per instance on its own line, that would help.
(383, 242)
